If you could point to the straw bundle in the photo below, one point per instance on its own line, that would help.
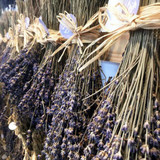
(131, 108)
(49, 9)
(7, 19)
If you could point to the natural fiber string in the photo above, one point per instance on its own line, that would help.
(78, 32)
(148, 18)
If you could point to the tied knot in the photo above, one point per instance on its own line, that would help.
(133, 24)
(121, 17)
(68, 25)
(132, 21)
(78, 30)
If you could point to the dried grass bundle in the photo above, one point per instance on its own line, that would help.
(126, 125)
(49, 9)
(7, 19)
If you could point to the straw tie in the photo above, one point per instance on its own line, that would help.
(79, 33)
(147, 18)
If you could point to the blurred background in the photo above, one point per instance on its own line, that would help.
(5, 3)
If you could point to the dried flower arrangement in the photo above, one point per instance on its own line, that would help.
(61, 113)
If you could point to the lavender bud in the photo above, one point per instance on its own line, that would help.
(98, 119)
(131, 142)
(146, 125)
(76, 156)
(125, 127)
(109, 124)
(135, 132)
(63, 153)
(118, 156)
(153, 119)
(88, 150)
(157, 132)
(39, 157)
(154, 152)
(156, 104)
(101, 154)
(157, 115)
(63, 146)
(43, 152)
(100, 144)
(47, 140)
(70, 155)
(144, 149)
(158, 124)
(108, 133)
(116, 145)
(92, 136)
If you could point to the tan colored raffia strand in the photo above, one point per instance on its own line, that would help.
(147, 18)
(80, 33)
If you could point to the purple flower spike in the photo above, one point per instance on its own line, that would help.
(118, 156)
(144, 149)
(158, 124)
(154, 152)
(43, 24)
(157, 131)
(125, 128)
(65, 32)
(146, 125)
(131, 142)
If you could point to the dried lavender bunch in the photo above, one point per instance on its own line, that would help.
(126, 126)
(63, 106)
(32, 109)
(9, 144)
(29, 84)
(16, 72)
(36, 100)
(99, 130)
(69, 113)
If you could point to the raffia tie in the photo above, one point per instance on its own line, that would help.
(80, 34)
(147, 18)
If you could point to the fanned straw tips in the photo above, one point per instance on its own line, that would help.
(148, 17)
(76, 34)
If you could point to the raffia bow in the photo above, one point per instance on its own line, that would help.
(35, 33)
(147, 18)
(80, 34)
